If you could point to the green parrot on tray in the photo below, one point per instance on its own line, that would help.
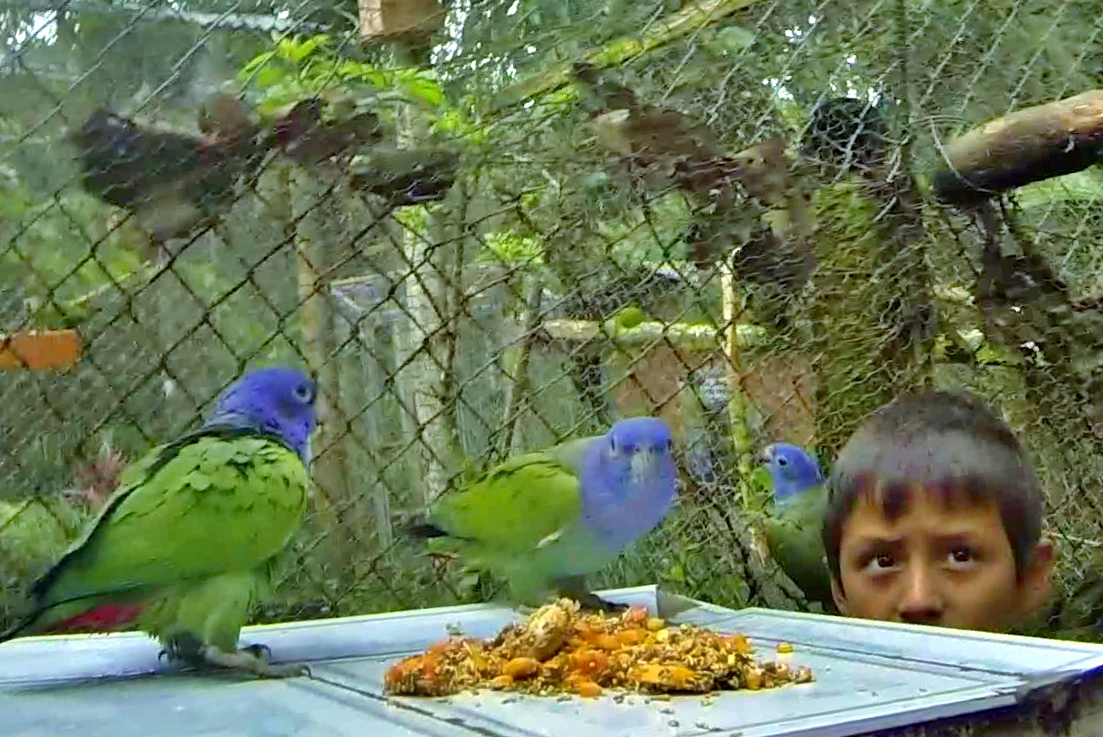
(186, 545)
(547, 519)
(794, 526)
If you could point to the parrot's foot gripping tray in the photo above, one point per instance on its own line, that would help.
(251, 659)
(560, 649)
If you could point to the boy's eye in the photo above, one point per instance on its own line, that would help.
(881, 562)
(961, 555)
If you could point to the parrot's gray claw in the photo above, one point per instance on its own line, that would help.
(260, 650)
(575, 587)
(247, 660)
(595, 602)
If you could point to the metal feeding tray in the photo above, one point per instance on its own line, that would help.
(871, 678)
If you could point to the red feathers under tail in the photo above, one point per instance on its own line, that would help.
(102, 618)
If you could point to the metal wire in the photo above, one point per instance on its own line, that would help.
(449, 335)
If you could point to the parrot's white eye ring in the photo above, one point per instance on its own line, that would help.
(304, 393)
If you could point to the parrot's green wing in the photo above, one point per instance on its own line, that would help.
(512, 508)
(187, 511)
(796, 543)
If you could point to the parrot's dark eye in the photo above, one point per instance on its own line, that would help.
(670, 445)
(782, 461)
(304, 393)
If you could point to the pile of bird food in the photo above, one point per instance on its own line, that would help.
(559, 649)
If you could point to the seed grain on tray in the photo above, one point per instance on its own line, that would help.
(559, 649)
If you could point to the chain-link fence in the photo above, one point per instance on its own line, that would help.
(481, 245)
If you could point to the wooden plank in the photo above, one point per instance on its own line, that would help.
(40, 349)
(388, 18)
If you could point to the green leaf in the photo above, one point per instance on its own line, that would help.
(735, 39)
(426, 90)
(269, 76)
(359, 71)
(676, 573)
(508, 247)
(253, 64)
(296, 51)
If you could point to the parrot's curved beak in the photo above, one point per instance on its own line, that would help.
(643, 460)
(766, 455)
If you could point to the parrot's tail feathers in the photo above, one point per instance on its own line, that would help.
(19, 627)
(102, 618)
(422, 530)
(99, 618)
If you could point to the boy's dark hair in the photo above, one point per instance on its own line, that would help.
(950, 443)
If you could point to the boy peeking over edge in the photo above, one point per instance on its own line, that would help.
(935, 517)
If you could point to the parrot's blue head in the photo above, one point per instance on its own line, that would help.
(793, 471)
(278, 400)
(629, 480)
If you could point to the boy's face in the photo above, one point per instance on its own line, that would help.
(941, 564)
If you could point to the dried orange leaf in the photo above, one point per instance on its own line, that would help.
(742, 644)
(439, 647)
(754, 679)
(586, 653)
(670, 675)
(632, 637)
(589, 662)
(607, 642)
(587, 689)
(519, 668)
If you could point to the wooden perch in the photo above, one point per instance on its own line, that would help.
(690, 19)
(689, 338)
(405, 176)
(1026, 146)
(40, 349)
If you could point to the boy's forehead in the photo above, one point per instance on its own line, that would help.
(893, 502)
(925, 455)
(951, 465)
(924, 516)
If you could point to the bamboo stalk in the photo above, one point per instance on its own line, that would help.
(517, 383)
(689, 338)
(737, 401)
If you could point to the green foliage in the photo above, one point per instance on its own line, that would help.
(297, 68)
(416, 219)
(511, 249)
(33, 534)
(59, 251)
(845, 314)
(651, 235)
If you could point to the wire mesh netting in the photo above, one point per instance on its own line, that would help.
(531, 220)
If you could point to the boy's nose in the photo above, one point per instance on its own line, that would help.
(921, 603)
